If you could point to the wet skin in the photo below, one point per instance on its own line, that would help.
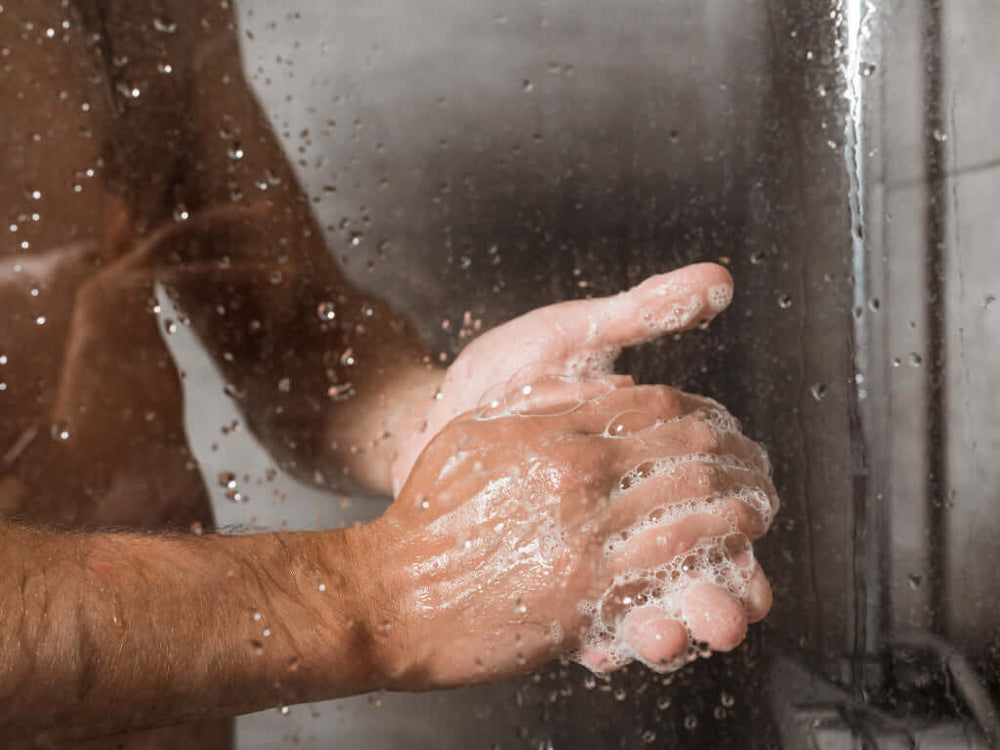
(166, 203)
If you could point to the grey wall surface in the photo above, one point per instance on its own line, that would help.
(969, 535)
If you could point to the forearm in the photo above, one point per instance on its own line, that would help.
(108, 632)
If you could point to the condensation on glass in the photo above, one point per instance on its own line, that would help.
(468, 161)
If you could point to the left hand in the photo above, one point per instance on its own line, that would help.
(579, 337)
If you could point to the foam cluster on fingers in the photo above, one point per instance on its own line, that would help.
(661, 593)
(724, 560)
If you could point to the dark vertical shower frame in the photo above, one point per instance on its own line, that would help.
(935, 290)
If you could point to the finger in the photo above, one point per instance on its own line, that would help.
(656, 638)
(714, 616)
(661, 305)
(538, 388)
(688, 436)
(550, 396)
(660, 402)
(742, 496)
(619, 381)
(535, 371)
(758, 597)
(656, 546)
(598, 658)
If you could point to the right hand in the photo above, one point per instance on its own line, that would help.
(614, 523)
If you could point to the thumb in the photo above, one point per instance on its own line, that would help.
(661, 305)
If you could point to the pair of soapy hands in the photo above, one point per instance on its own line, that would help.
(567, 509)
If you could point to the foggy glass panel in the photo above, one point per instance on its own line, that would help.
(466, 162)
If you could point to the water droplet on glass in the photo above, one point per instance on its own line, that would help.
(235, 151)
(874, 304)
(356, 238)
(40, 320)
(285, 385)
(169, 326)
(284, 711)
(232, 391)
(60, 432)
(989, 300)
(867, 69)
(164, 26)
(727, 699)
(939, 135)
(340, 391)
(784, 301)
(818, 391)
(915, 581)
(165, 68)
(181, 214)
(690, 722)
(915, 360)
(326, 311)
(663, 702)
(528, 86)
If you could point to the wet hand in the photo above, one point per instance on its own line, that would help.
(582, 336)
(571, 515)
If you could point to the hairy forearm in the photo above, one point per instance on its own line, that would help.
(108, 632)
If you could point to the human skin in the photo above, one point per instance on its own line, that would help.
(107, 625)
(112, 632)
(99, 370)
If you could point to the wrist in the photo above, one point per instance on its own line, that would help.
(334, 612)
(382, 605)
(367, 432)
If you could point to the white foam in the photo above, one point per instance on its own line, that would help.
(720, 296)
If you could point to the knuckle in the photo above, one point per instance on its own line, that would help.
(666, 402)
(702, 437)
(703, 478)
(749, 519)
